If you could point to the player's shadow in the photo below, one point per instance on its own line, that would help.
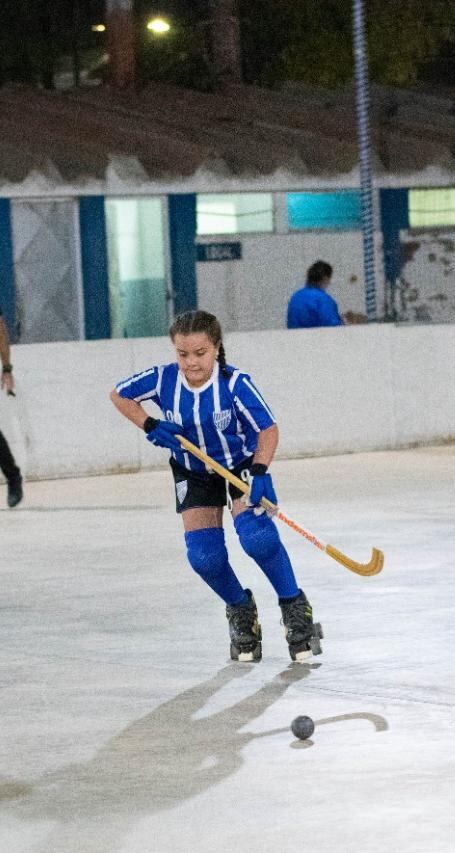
(156, 763)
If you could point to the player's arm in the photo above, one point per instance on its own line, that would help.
(160, 433)
(266, 446)
(128, 394)
(129, 408)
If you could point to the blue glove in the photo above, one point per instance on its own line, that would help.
(162, 433)
(261, 485)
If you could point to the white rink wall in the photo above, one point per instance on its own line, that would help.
(332, 391)
(253, 293)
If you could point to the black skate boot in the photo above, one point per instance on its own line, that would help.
(244, 630)
(15, 493)
(301, 633)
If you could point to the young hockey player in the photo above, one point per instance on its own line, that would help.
(219, 409)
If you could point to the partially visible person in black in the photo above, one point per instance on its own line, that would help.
(7, 463)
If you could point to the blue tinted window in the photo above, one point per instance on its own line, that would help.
(324, 210)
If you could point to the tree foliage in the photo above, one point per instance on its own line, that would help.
(35, 34)
(281, 40)
(311, 40)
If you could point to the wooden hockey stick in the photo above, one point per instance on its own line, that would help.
(365, 569)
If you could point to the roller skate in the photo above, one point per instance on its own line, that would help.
(302, 634)
(244, 630)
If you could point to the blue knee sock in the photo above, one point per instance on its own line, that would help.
(207, 554)
(259, 538)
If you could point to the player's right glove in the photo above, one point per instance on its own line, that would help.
(162, 433)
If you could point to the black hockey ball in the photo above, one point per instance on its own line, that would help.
(302, 727)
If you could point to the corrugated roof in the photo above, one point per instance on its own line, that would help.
(173, 132)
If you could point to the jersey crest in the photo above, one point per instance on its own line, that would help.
(222, 419)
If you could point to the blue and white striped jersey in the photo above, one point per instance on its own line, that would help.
(223, 417)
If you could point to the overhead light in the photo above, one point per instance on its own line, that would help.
(98, 28)
(158, 26)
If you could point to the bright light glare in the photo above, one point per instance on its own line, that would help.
(158, 25)
(98, 28)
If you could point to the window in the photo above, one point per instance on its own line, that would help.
(431, 207)
(137, 276)
(231, 213)
(324, 210)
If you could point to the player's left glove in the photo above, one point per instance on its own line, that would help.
(261, 485)
(162, 433)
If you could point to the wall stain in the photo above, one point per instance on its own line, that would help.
(425, 290)
(422, 313)
(409, 250)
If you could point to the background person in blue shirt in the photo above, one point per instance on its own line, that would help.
(310, 306)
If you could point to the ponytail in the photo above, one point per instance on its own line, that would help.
(222, 361)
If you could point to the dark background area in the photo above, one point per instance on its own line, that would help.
(410, 41)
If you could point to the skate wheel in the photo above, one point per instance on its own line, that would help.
(315, 646)
(257, 654)
(234, 652)
(317, 631)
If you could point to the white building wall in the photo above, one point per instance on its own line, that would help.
(332, 391)
(253, 293)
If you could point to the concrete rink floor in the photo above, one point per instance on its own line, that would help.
(125, 728)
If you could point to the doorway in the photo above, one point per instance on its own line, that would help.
(136, 247)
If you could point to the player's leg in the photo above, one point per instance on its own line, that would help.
(11, 472)
(208, 556)
(207, 553)
(260, 539)
(200, 501)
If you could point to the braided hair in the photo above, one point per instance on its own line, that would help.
(202, 321)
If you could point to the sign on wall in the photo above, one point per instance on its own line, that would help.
(219, 252)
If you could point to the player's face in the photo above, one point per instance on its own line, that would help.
(196, 356)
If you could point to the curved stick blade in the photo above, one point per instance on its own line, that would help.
(365, 569)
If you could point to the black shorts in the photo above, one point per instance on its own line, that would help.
(198, 489)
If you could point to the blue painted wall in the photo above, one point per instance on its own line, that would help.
(7, 289)
(182, 234)
(94, 267)
(394, 218)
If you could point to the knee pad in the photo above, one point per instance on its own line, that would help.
(258, 535)
(206, 551)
